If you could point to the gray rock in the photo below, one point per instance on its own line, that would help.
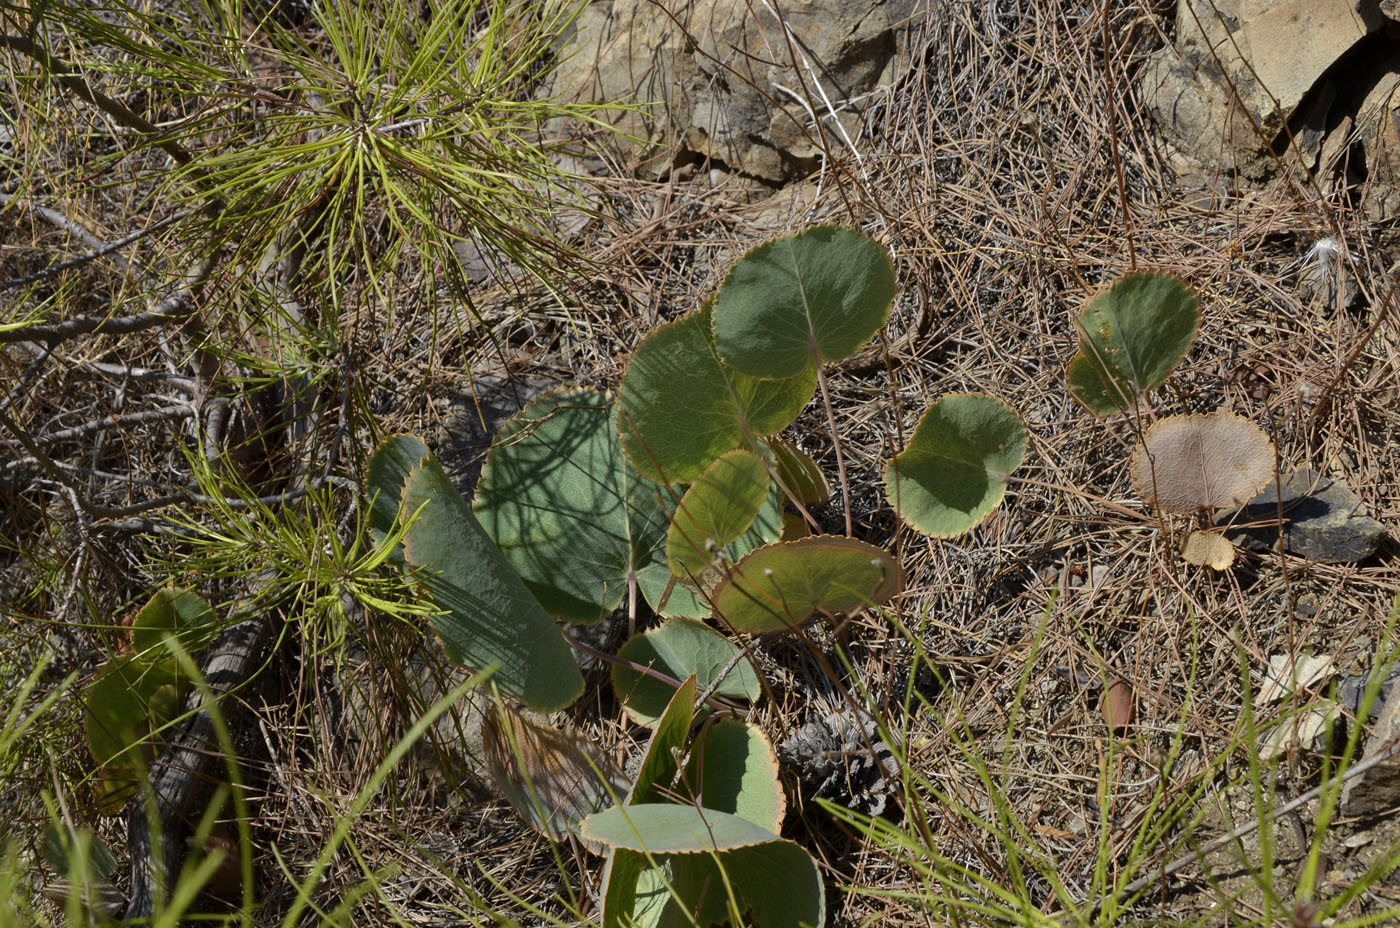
(1241, 72)
(1378, 789)
(1378, 134)
(1323, 521)
(721, 79)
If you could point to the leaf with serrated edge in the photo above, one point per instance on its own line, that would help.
(389, 467)
(733, 769)
(1132, 335)
(953, 472)
(489, 616)
(778, 587)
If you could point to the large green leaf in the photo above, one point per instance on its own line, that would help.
(668, 828)
(389, 467)
(570, 514)
(1131, 337)
(953, 472)
(680, 407)
(776, 885)
(733, 769)
(777, 587)
(178, 613)
(679, 648)
(716, 509)
(802, 299)
(774, 881)
(488, 614)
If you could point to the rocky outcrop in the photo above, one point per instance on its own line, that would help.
(1247, 85)
(738, 82)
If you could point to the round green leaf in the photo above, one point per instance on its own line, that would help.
(567, 510)
(802, 299)
(779, 586)
(718, 508)
(679, 648)
(117, 711)
(733, 769)
(488, 615)
(1131, 337)
(179, 613)
(776, 885)
(680, 407)
(665, 828)
(952, 473)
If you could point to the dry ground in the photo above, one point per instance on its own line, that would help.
(1011, 175)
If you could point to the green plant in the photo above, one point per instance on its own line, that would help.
(676, 490)
(1131, 336)
(140, 692)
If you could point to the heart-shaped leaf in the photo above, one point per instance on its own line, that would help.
(776, 885)
(953, 472)
(680, 407)
(1131, 337)
(792, 303)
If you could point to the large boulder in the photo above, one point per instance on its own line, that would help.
(1243, 77)
(733, 81)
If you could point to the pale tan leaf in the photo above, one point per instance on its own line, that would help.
(1188, 463)
(1211, 549)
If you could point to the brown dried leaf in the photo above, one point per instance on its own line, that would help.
(1211, 549)
(1116, 704)
(1188, 463)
